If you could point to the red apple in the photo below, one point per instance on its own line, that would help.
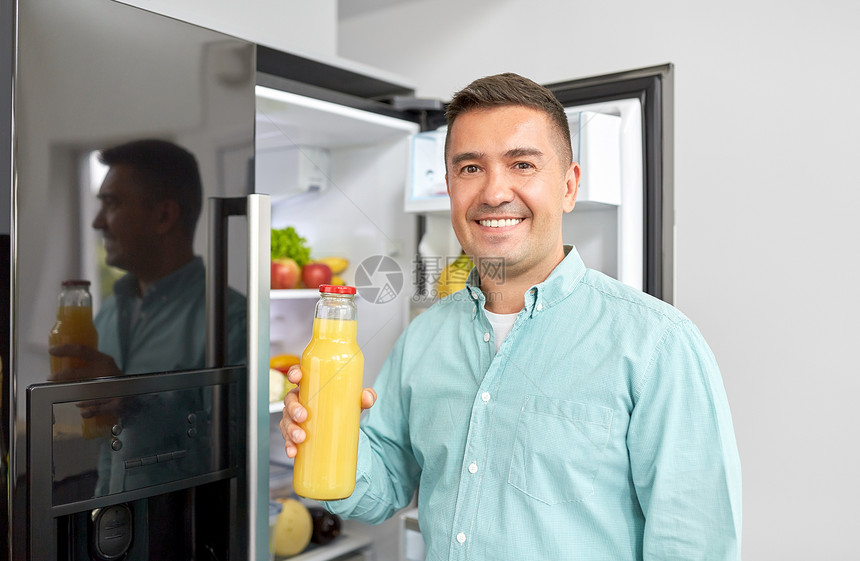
(285, 273)
(315, 274)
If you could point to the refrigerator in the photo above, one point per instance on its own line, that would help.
(182, 472)
(349, 158)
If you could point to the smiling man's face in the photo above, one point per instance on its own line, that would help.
(509, 186)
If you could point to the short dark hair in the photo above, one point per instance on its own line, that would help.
(167, 171)
(509, 89)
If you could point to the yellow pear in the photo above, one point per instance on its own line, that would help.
(293, 529)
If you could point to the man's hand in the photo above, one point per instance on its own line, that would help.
(109, 407)
(294, 413)
(88, 363)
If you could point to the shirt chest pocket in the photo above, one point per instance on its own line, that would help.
(557, 449)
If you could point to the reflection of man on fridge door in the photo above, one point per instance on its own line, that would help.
(151, 200)
(545, 410)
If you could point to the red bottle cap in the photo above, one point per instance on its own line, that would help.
(76, 282)
(336, 289)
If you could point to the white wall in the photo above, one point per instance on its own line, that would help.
(304, 27)
(767, 207)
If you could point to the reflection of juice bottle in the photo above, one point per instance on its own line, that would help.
(330, 390)
(74, 323)
(75, 326)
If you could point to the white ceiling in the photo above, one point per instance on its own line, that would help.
(351, 8)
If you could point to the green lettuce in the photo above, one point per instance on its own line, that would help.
(288, 244)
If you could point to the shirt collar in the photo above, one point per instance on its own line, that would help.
(126, 287)
(558, 285)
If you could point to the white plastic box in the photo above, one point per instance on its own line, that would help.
(293, 170)
(426, 191)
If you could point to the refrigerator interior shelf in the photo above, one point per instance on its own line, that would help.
(345, 543)
(294, 294)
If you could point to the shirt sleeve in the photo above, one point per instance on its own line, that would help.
(387, 473)
(683, 454)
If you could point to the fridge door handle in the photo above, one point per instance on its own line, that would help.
(220, 211)
(257, 208)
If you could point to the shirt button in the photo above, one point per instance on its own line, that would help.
(461, 537)
(486, 337)
(473, 468)
(485, 397)
(539, 307)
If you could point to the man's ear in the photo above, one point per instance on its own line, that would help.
(167, 215)
(571, 182)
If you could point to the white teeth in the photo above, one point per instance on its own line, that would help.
(500, 223)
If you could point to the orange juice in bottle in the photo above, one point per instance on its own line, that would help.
(330, 390)
(75, 326)
(74, 323)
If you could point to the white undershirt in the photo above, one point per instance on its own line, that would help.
(502, 325)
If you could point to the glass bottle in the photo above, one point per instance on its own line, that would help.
(330, 390)
(75, 326)
(74, 323)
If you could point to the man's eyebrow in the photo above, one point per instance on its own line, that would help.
(524, 151)
(462, 157)
(512, 153)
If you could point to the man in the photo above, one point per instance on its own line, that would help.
(155, 321)
(546, 411)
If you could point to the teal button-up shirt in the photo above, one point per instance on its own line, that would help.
(167, 332)
(599, 430)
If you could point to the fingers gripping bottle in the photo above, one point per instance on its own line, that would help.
(330, 390)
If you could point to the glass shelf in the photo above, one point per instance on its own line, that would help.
(294, 294)
(344, 544)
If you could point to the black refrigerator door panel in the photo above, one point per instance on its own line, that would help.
(90, 75)
(653, 88)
